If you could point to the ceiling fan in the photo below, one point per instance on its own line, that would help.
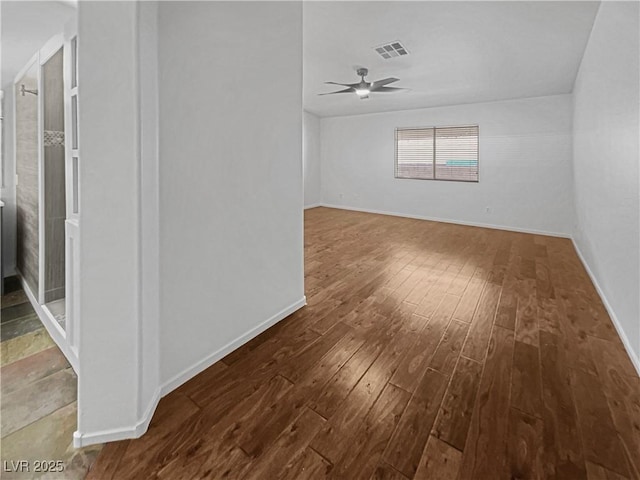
(364, 88)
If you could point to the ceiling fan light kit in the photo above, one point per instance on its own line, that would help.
(363, 88)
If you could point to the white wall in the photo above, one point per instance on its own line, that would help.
(525, 165)
(606, 153)
(109, 220)
(149, 209)
(230, 176)
(191, 234)
(311, 159)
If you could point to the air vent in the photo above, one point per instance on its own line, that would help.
(392, 49)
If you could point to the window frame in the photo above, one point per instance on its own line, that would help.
(434, 128)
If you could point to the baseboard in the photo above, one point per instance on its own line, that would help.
(206, 362)
(313, 205)
(447, 220)
(82, 440)
(612, 314)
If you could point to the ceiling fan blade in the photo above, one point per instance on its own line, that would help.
(343, 84)
(381, 83)
(346, 90)
(388, 90)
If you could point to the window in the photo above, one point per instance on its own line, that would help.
(437, 153)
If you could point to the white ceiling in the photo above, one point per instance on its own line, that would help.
(460, 52)
(26, 26)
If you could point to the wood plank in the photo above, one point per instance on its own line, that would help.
(454, 418)
(526, 320)
(507, 307)
(475, 346)
(289, 444)
(598, 472)
(430, 302)
(563, 457)
(544, 284)
(360, 459)
(599, 435)
(407, 444)
(307, 464)
(339, 431)
(417, 358)
(255, 436)
(526, 389)
(295, 367)
(574, 327)
(219, 390)
(313, 366)
(213, 444)
(484, 454)
(622, 389)
(439, 460)
(471, 296)
(446, 356)
(327, 402)
(549, 316)
(365, 288)
(158, 446)
(525, 445)
(231, 462)
(108, 461)
(460, 282)
(527, 268)
(386, 472)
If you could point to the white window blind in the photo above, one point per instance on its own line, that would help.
(453, 151)
(414, 152)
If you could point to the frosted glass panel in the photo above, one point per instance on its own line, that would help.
(74, 122)
(75, 180)
(53, 169)
(74, 62)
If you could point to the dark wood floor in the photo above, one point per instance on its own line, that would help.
(426, 350)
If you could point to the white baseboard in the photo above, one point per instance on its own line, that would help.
(447, 220)
(614, 318)
(313, 205)
(82, 440)
(206, 362)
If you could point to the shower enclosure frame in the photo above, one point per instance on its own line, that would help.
(66, 338)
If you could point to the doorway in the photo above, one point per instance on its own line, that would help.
(46, 192)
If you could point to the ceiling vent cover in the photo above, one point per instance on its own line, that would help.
(391, 49)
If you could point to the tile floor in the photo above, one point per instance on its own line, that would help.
(37, 396)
